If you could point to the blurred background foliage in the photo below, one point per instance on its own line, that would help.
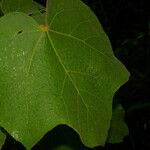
(127, 24)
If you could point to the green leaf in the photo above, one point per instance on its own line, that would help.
(1, 13)
(61, 72)
(118, 129)
(2, 138)
(26, 6)
(39, 17)
(63, 147)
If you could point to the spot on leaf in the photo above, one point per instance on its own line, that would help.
(19, 32)
(44, 28)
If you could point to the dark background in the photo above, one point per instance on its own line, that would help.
(127, 24)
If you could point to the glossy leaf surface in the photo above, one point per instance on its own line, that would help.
(60, 72)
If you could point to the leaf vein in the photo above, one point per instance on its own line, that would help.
(33, 53)
(107, 56)
(66, 72)
(65, 105)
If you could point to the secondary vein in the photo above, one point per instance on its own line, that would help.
(33, 53)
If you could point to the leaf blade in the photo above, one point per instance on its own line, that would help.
(118, 129)
(2, 139)
(26, 6)
(73, 82)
